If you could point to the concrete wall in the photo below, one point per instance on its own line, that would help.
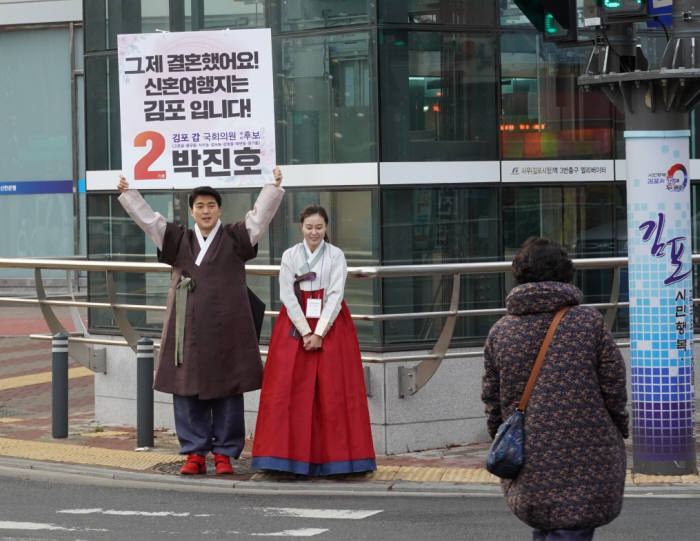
(37, 11)
(447, 411)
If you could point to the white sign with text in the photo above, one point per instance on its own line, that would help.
(197, 108)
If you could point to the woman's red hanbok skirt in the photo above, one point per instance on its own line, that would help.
(313, 417)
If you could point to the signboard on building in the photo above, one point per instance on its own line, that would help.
(197, 109)
(557, 170)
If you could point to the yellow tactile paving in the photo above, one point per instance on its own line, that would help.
(690, 478)
(420, 474)
(78, 454)
(469, 475)
(481, 476)
(644, 479)
(41, 377)
(384, 473)
(105, 433)
(10, 420)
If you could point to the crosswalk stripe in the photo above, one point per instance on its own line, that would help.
(124, 513)
(343, 514)
(37, 526)
(302, 532)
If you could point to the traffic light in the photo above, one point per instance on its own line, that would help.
(623, 10)
(560, 23)
(556, 19)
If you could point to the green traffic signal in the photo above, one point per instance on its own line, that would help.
(627, 6)
(552, 28)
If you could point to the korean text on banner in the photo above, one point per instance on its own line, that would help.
(197, 108)
(659, 225)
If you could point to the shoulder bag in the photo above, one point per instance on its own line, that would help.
(507, 453)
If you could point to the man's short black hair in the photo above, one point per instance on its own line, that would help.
(204, 190)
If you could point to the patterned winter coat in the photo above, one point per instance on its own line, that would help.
(575, 463)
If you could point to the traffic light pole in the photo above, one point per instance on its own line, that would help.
(657, 105)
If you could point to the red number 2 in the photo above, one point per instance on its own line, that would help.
(141, 171)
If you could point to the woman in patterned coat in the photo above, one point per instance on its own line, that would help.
(574, 472)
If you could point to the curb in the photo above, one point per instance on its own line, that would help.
(16, 467)
(141, 467)
(80, 474)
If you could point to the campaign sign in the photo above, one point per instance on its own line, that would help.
(197, 109)
(659, 223)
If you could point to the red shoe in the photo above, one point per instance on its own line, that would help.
(223, 464)
(195, 464)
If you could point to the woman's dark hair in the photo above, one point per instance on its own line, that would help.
(542, 260)
(204, 190)
(310, 211)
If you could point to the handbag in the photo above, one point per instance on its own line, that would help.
(507, 453)
(257, 309)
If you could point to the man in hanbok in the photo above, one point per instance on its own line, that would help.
(209, 353)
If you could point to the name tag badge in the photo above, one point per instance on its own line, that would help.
(313, 308)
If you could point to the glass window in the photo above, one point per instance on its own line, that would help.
(511, 15)
(694, 135)
(695, 231)
(465, 12)
(113, 236)
(588, 221)
(209, 14)
(154, 16)
(36, 143)
(37, 225)
(105, 19)
(545, 113)
(438, 96)
(290, 16)
(439, 225)
(102, 113)
(324, 99)
(36, 117)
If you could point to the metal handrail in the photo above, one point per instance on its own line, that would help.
(385, 271)
(411, 378)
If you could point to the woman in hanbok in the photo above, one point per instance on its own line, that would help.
(313, 417)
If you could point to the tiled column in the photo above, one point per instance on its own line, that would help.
(661, 307)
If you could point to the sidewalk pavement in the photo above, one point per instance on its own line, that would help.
(26, 440)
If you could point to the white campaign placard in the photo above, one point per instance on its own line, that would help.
(197, 108)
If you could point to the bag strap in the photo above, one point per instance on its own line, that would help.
(540, 357)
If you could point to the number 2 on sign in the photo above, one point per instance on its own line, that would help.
(141, 169)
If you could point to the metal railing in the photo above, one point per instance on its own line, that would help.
(411, 378)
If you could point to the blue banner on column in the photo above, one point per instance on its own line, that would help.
(661, 296)
(36, 187)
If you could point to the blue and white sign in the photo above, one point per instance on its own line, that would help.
(661, 295)
(661, 10)
(36, 187)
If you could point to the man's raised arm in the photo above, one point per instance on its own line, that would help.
(153, 223)
(266, 205)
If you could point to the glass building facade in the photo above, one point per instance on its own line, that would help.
(41, 139)
(437, 99)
